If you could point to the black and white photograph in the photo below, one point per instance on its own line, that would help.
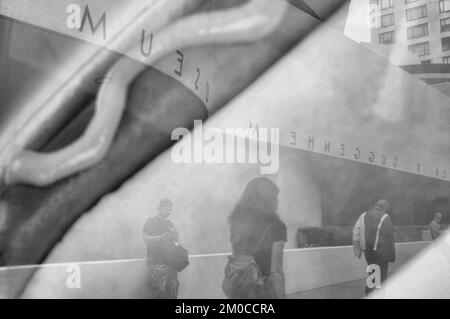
(225, 150)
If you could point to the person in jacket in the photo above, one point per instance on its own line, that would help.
(373, 235)
(255, 269)
(435, 225)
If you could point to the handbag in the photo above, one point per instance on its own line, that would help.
(177, 257)
(243, 279)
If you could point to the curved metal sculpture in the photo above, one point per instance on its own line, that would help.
(250, 22)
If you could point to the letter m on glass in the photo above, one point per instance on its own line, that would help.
(102, 22)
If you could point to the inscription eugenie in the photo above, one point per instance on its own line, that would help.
(363, 153)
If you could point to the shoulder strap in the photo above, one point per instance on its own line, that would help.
(377, 236)
(266, 230)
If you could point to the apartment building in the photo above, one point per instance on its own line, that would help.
(420, 26)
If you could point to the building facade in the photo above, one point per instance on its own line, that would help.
(420, 26)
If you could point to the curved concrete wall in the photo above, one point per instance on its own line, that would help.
(305, 269)
(327, 87)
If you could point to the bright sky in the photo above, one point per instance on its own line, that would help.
(357, 26)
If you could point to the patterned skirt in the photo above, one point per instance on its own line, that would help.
(243, 279)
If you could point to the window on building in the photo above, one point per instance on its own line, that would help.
(410, 1)
(417, 31)
(387, 37)
(445, 25)
(445, 44)
(416, 13)
(387, 20)
(384, 4)
(444, 5)
(446, 60)
(420, 49)
(426, 61)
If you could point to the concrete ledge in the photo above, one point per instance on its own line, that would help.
(306, 269)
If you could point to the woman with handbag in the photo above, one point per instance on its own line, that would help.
(255, 268)
(165, 256)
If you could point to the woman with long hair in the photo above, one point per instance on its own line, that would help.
(255, 268)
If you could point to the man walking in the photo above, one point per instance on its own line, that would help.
(435, 225)
(373, 234)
